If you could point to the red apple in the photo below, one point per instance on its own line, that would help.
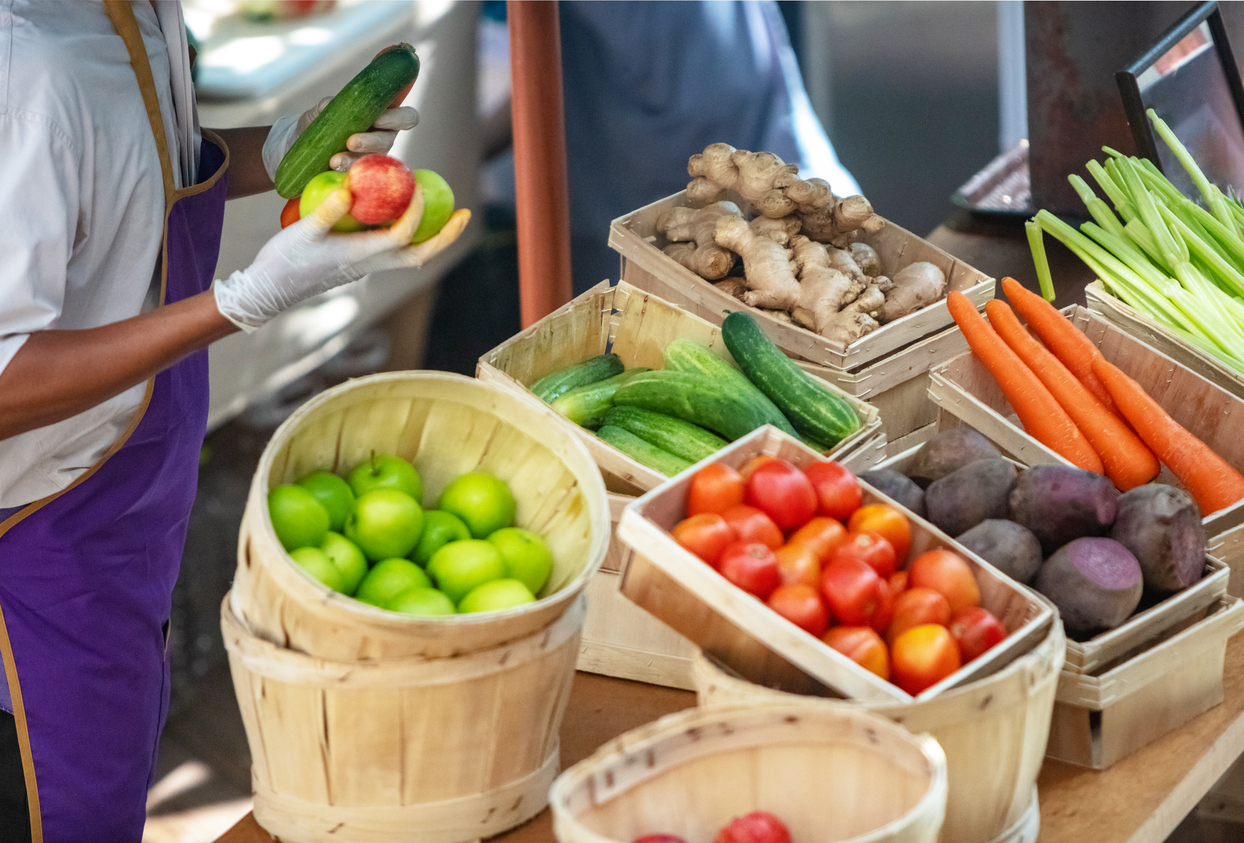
(381, 187)
(756, 827)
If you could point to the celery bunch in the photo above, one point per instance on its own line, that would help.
(1179, 262)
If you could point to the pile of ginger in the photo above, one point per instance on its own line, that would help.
(802, 258)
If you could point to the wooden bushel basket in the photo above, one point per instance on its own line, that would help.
(830, 772)
(993, 732)
(446, 425)
(408, 750)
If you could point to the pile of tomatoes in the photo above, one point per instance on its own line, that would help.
(804, 542)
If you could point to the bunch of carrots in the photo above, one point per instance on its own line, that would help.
(1075, 402)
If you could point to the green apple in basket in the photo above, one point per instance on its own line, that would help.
(385, 523)
(385, 471)
(388, 578)
(297, 517)
(439, 529)
(333, 493)
(460, 566)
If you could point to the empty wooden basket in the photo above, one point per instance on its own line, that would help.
(830, 772)
(446, 425)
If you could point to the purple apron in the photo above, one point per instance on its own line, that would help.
(86, 576)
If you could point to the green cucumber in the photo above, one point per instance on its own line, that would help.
(354, 109)
(586, 405)
(591, 370)
(644, 453)
(816, 411)
(700, 400)
(681, 438)
(684, 355)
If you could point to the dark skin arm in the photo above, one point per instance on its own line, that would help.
(247, 175)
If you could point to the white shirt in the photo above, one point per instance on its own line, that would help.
(81, 201)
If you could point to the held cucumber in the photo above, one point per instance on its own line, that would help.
(642, 452)
(586, 405)
(684, 355)
(695, 398)
(593, 369)
(681, 438)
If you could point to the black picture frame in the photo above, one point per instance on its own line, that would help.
(1129, 88)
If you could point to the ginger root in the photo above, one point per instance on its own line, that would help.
(778, 230)
(857, 318)
(839, 220)
(823, 290)
(867, 259)
(768, 268)
(761, 178)
(732, 287)
(685, 226)
(915, 285)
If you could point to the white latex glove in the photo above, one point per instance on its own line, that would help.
(377, 139)
(305, 260)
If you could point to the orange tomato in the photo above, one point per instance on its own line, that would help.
(798, 564)
(706, 535)
(923, 656)
(748, 468)
(752, 525)
(820, 535)
(862, 645)
(885, 521)
(714, 488)
(289, 214)
(800, 604)
(948, 572)
(869, 548)
(898, 582)
(916, 607)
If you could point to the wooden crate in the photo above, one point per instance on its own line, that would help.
(829, 771)
(965, 388)
(1229, 548)
(759, 644)
(636, 326)
(647, 267)
(1103, 717)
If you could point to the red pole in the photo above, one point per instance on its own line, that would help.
(543, 202)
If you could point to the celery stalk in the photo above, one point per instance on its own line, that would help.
(1037, 246)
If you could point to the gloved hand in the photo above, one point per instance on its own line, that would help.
(377, 139)
(305, 260)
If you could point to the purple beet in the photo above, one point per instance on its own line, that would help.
(898, 486)
(1060, 503)
(1096, 584)
(966, 497)
(1009, 547)
(949, 451)
(1162, 527)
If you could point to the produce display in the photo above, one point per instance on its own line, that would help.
(1075, 402)
(800, 254)
(1098, 555)
(670, 418)
(804, 542)
(756, 827)
(366, 536)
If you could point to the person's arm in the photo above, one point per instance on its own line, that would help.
(247, 175)
(57, 374)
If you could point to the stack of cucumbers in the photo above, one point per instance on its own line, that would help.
(668, 419)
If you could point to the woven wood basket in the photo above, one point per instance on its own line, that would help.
(830, 772)
(408, 750)
(993, 732)
(446, 425)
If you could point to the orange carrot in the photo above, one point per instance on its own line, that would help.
(1127, 461)
(1038, 412)
(1069, 345)
(1211, 480)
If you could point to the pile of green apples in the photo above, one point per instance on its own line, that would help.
(366, 536)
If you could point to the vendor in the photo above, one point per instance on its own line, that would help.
(111, 205)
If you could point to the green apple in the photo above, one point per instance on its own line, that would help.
(438, 204)
(316, 563)
(482, 501)
(317, 190)
(332, 492)
(385, 523)
(496, 595)
(349, 560)
(439, 529)
(527, 558)
(386, 472)
(422, 602)
(389, 578)
(460, 566)
(298, 518)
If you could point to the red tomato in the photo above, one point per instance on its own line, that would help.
(885, 608)
(706, 535)
(976, 630)
(923, 656)
(885, 521)
(798, 564)
(752, 525)
(782, 492)
(745, 471)
(714, 488)
(852, 591)
(898, 582)
(752, 567)
(869, 548)
(756, 827)
(801, 605)
(916, 607)
(838, 494)
(862, 645)
(948, 572)
(289, 214)
(820, 535)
